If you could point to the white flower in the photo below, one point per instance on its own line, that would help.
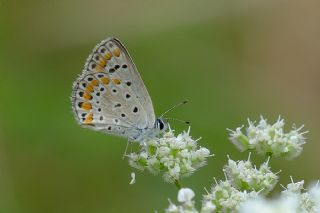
(174, 157)
(314, 192)
(291, 200)
(175, 172)
(208, 207)
(172, 208)
(283, 205)
(293, 188)
(269, 139)
(185, 195)
(244, 176)
(225, 198)
(307, 201)
(133, 178)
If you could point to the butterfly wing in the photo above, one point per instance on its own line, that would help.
(110, 94)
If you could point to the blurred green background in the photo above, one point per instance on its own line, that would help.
(231, 59)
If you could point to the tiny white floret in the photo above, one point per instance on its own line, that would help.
(185, 195)
(133, 178)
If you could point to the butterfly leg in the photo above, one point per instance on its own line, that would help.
(125, 151)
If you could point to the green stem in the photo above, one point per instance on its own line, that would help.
(177, 183)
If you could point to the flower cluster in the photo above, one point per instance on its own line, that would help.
(244, 176)
(269, 139)
(225, 198)
(291, 200)
(222, 198)
(173, 156)
(246, 187)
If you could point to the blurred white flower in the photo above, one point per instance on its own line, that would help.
(173, 156)
(208, 206)
(172, 208)
(291, 200)
(185, 196)
(314, 192)
(293, 188)
(244, 176)
(307, 201)
(283, 205)
(270, 140)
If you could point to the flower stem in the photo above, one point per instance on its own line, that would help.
(177, 183)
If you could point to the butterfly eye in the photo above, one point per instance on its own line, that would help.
(161, 126)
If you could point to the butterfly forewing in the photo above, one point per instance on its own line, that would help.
(110, 94)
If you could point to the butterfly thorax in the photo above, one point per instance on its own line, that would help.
(159, 127)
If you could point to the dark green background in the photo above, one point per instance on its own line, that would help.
(231, 59)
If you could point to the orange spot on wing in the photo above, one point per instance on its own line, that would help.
(99, 68)
(116, 52)
(89, 88)
(102, 63)
(116, 81)
(86, 106)
(105, 80)
(94, 82)
(87, 96)
(108, 56)
(88, 119)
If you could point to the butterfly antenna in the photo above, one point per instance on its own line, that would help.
(176, 119)
(173, 107)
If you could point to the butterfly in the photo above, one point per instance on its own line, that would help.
(110, 96)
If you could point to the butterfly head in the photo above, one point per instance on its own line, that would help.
(161, 125)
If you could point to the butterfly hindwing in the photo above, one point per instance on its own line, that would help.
(110, 94)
